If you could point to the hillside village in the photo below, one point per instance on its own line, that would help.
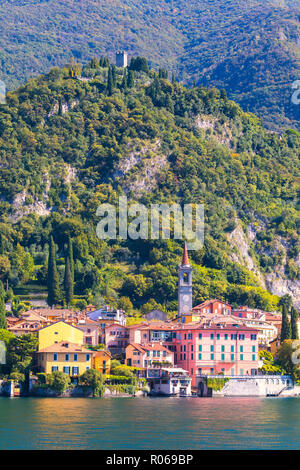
(201, 345)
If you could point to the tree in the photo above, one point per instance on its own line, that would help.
(3, 323)
(124, 81)
(294, 326)
(130, 81)
(93, 379)
(68, 282)
(4, 266)
(285, 326)
(70, 255)
(53, 280)
(59, 381)
(110, 82)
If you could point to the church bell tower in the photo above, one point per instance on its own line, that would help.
(185, 285)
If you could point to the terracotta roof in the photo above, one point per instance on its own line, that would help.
(99, 353)
(185, 257)
(65, 346)
(208, 302)
(203, 326)
(150, 347)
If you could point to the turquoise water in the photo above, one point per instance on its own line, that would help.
(150, 423)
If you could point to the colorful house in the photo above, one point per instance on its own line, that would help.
(211, 349)
(116, 338)
(72, 359)
(58, 332)
(101, 361)
(91, 329)
(147, 355)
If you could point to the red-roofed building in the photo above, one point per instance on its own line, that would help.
(212, 349)
(147, 355)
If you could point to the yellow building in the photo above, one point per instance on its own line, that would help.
(187, 318)
(72, 359)
(58, 332)
(101, 361)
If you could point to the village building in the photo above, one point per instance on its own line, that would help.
(59, 332)
(101, 361)
(116, 338)
(108, 313)
(212, 349)
(91, 332)
(169, 381)
(147, 355)
(72, 359)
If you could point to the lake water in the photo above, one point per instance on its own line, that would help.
(150, 423)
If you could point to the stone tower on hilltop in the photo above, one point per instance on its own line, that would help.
(121, 59)
(185, 284)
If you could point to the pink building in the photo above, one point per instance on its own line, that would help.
(211, 349)
(148, 355)
(116, 338)
(213, 306)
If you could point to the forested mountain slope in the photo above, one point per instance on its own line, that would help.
(68, 145)
(251, 48)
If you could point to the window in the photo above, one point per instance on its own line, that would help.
(226, 336)
(233, 336)
(212, 347)
(212, 370)
(184, 356)
(212, 336)
(190, 336)
(253, 357)
(241, 337)
(75, 370)
(112, 333)
(241, 349)
(87, 367)
(192, 356)
(253, 348)
(211, 357)
(200, 356)
(54, 368)
(88, 356)
(253, 337)
(232, 357)
(54, 357)
(185, 336)
(232, 348)
(222, 357)
(67, 357)
(218, 336)
(241, 357)
(200, 347)
(192, 347)
(222, 348)
(67, 370)
(200, 335)
(75, 357)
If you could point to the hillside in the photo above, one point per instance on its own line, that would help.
(68, 145)
(250, 48)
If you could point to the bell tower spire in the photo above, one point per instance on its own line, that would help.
(185, 284)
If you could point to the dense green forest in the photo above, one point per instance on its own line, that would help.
(250, 48)
(78, 137)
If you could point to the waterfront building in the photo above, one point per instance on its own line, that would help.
(156, 331)
(170, 381)
(212, 349)
(147, 355)
(58, 332)
(72, 359)
(101, 361)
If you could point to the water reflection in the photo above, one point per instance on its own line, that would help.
(159, 423)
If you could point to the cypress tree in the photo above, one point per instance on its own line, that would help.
(285, 325)
(110, 84)
(53, 280)
(3, 324)
(68, 282)
(294, 326)
(114, 75)
(130, 82)
(70, 256)
(124, 81)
